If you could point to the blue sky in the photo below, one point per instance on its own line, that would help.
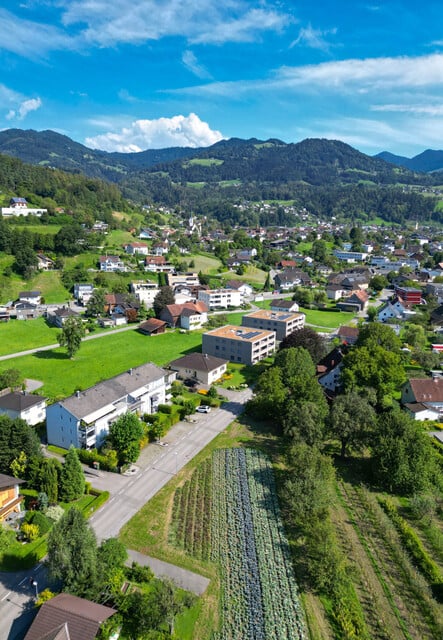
(128, 76)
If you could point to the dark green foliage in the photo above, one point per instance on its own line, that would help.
(125, 435)
(352, 420)
(403, 459)
(308, 339)
(50, 474)
(38, 518)
(16, 436)
(96, 303)
(72, 553)
(164, 297)
(72, 479)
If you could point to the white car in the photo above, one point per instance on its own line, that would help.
(203, 408)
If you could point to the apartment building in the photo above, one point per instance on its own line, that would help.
(84, 418)
(221, 298)
(145, 292)
(239, 344)
(279, 321)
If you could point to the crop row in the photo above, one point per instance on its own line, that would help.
(190, 521)
(259, 593)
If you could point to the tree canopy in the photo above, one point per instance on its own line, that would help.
(71, 335)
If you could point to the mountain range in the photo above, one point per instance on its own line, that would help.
(428, 161)
(313, 161)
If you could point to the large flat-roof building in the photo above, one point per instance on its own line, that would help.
(220, 298)
(239, 344)
(84, 418)
(283, 323)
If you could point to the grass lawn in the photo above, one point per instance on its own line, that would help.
(244, 374)
(49, 283)
(327, 319)
(203, 263)
(19, 335)
(101, 359)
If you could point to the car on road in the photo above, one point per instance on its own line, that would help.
(203, 408)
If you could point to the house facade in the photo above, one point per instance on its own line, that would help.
(239, 344)
(84, 418)
(220, 298)
(423, 397)
(10, 500)
(83, 292)
(283, 323)
(136, 248)
(189, 315)
(27, 406)
(200, 366)
(145, 292)
(111, 263)
(58, 316)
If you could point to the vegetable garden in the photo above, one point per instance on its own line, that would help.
(239, 520)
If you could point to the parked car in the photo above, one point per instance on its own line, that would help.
(203, 408)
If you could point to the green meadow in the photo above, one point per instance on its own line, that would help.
(100, 359)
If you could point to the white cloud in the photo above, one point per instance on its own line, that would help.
(18, 105)
(313, 38)
(178, 131)
(27, 106)
(190, 61)
(427, 110)
(30, 39)
(207, 21)
(355, 75)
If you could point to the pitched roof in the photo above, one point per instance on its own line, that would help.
(83, 403)
(198, 361)
(348, 332)
(177, 309)
(9, 481)
(427, 389)
(283, 304)
(67, 616)
(19, 401)
(151, 325)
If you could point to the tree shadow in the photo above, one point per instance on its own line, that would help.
(51, 354)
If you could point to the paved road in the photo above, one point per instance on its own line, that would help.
(129, 493)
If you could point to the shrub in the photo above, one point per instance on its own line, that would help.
(165, 408)
(54, 512)
(30, 531)
(40, 520)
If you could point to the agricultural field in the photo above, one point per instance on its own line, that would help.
(260, 596)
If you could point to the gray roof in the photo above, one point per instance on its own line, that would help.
(9, 481)
(83, 403)
(19, 401)
(198, 361)
(67, 616)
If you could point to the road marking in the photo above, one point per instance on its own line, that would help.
(4, 597)
(20, 583)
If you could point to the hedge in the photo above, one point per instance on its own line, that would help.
(88, 456)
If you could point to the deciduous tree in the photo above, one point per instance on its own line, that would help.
(125, 435)
(71, 335)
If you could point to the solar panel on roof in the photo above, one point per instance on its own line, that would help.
(250, 334)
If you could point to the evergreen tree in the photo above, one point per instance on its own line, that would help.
(72, 553)
(72, 479)
(16, 436)
(164, 297)
(50, 470)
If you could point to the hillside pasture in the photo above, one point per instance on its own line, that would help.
(20, 335)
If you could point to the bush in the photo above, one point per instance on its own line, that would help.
(165, 408)
(40, 520)
(107, 462)
(54, 512)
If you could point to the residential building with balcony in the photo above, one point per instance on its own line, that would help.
(83, 419)
(220, 298)
(279, 321)
(239, 344)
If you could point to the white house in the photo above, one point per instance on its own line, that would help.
(33, 297)
(237, 285)
(83, 292)
(19, 207)
(84, 418)
(423, 398)
(220, 298)
(136, 248)
(145, 292)
(200, 366)
(111, 263)
(28, 407)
